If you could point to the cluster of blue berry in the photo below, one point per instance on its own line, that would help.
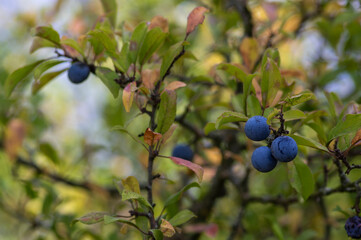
(264, 159)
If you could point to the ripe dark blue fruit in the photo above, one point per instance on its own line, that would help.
(78, 72)
(256, 128)
(284, 149)
(353, 227)
(262, 159)
(183, 151)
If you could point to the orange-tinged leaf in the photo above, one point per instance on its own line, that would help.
(151, 138)
(14, 135)
(198, 170)
(167, 228)
(149, 78)
(128, 95)
(159, 21)
(357, 139)
(195, 18)
(249, 50)
(175, 85)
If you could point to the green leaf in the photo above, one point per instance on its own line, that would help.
(277, 230)
(129, 195)
(181, 217)
(210, 127)
(167, 111)
(45, 66)
(48, 150)
(332, 99)
(228, 117)
(158, 235)
(108, 77)
(168, 58)
(122, 129)
(121, 61)
(39, 43)
(18, 75)
(253, 106)
(131, 184)
(351, 124)
(110, 9)
(44, 79)
(48, 33)
(301, 178)
(273, 54)
(271, 114)
(298, 99)
(293, 114)
(304, 141)
(106, 39)
(247, 86)
(108, 219)
(271, 82)
(318, 128)
(136, 41)
(91, 218)
(233, 71)
(176, 197)
(73, 44)
(153, 40)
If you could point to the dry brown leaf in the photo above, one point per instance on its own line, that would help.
(195, 18)
(159, 21)
(151, 138)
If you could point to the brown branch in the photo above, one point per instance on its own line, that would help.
(244, 12)
(57, 178)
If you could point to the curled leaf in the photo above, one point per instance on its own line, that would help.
(195, 18)
(167, 228)
(151, 138)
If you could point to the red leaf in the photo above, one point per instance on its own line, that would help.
(195, 18)
(210, 230)
(198, 170)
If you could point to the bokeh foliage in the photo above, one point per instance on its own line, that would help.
(60, 160)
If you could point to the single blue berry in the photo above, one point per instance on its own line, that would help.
(262, 159)
(353, 227)
(256, 128)
(183, 151)
(284, 149)
(78, 72)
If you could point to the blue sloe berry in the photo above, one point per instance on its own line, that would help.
(256, 128)
(353, 227)
(284, 149)
(183, 151)
(262, 159)
(78, 72)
